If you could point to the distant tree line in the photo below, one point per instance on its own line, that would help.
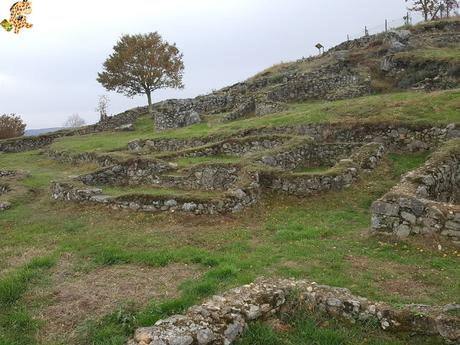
(434, 9)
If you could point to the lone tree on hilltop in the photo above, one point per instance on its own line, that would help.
(74, 121)
(141, 64)
(11, 126)
(428, 8)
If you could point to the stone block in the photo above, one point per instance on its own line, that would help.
(409, 217)
(403, 231)
(385, 208)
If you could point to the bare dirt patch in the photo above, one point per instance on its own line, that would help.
(404, 287)
(76, 297)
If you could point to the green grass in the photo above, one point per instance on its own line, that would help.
(17, 326)
(449, 55)
(405, 163)
(319, 238)
(302, 329)
(437, 108)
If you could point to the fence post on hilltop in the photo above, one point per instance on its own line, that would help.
(348, 38)
(386, 25)
(366, 32)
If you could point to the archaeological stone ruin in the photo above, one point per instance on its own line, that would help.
(222, 319)
(427, 201)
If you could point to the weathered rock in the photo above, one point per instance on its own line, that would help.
(222, 319)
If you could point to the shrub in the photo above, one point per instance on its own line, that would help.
(11, 126)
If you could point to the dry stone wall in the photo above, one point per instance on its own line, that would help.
(165, 145)
(426, 200)
(342, 175)
(207, 177)
(103, 160)
(210, 177)
(309, 155)
(22, 144)
(222, 319)
(328, 83)
(130, 172)
(238, 185)
(395, 137)
(231, 201)
(233, 147)
(26, 143)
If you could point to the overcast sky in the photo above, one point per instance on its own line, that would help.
(49, 72)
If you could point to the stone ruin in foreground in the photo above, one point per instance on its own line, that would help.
(222, 319)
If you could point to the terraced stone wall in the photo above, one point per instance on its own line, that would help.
(165, 145)
(233, 147)
(426, 201)
(208, 177)
(130, 172)
(342, 175)
(232, 201)
(22, 144)
(26, 143)
(309, 155)
(396, 137)
(103, 160)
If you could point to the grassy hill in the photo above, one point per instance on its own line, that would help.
(85, 274)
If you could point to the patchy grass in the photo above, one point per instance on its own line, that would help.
(448, 55)
(320, 238)
(191, 161)
(302, 329)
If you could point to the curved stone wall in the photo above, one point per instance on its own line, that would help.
(233, 147)
(309, 155)
(130, 172)
(420, 203)
(340, 176)
(103, 160)
(221, 320)
(231, 201)
(395, 137)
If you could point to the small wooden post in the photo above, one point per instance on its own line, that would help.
(386, 25)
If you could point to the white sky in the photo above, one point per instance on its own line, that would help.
(49, 72)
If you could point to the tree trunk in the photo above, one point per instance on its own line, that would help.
(149, 98)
